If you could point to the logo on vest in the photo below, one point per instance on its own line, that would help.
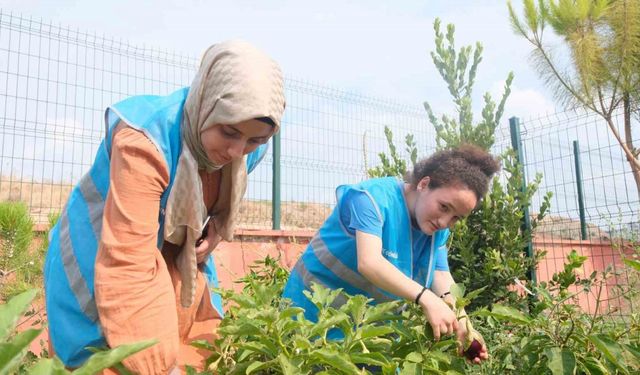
(390, 254)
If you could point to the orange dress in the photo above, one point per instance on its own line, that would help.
(137, 286)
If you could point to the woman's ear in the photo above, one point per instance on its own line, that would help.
(423, 184)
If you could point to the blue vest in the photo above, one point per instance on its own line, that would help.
(331, 257)
(69, 265)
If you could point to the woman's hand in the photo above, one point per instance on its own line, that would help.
(440, 316)
(464, 330)
(208, 244)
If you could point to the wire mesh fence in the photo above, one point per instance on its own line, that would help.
(595, 206)
(55, 83)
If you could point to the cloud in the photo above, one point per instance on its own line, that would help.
(525, 103)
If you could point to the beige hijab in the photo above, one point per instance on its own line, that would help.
(235, 82)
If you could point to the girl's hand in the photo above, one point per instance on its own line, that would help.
(208, 244)
(441, 318)
(466, 335)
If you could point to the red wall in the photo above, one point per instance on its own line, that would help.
(233, 259)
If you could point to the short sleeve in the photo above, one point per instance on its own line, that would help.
(359, 212)
(442, 263)
(441, 251)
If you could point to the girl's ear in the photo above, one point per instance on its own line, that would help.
(423, 184)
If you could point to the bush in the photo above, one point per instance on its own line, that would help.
(558, 337)
(14, 346)
(21, 263)
(263, 334)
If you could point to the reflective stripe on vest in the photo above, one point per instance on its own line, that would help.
(327, 259)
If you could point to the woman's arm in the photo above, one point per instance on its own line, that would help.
(134, 292)
(373, 266)
(442, 282)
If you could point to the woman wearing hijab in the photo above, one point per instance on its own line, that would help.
(127, 260)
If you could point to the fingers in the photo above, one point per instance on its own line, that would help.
(436, 332)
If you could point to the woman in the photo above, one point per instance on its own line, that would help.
(166, 165)
(387, 239)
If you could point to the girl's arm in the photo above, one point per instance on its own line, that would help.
(442, 281)
(134, 293)
(373, 266)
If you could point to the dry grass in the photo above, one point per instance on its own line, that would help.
(47, 197)
(568, 229)
(44, 198)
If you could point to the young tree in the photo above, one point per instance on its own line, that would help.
(486, 248)
(602, 71)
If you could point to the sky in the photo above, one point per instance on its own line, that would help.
(373, 47)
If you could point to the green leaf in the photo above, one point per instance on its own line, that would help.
(372, 359)
(411, 368)
(255, 366)
(374, 331)
(258, 347)
(457, 291)
(291, 311)
(632, 263)
(48, 366)
(610, 349)
(594, 366)
(561, 361)
(337, 360)
(203, 344)
(12, 311)
(635, 351)
(109, 358)
(11, 353)
(331, 322)
(288, 368)
(509, 314)
(243, 328)
(414, 357)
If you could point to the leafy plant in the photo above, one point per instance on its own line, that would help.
(558, 337)
(17, 266)
(487, 248)
(454, 68)
(263, 334)
(14, 347)
(395, 165)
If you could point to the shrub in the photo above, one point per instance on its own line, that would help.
(558, 337)
(263, 334)
(14, 346)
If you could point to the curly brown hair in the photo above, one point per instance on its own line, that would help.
(466, 165)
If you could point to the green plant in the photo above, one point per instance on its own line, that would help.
(263, 334)
(454, 68)
(487, 248)
(14, 347)
(558, 337)
(17, 265)
(395, 166)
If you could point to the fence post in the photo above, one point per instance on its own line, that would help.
(275, 185)
(516, 143)
(576, 158)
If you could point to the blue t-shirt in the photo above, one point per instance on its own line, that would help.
(358, 212)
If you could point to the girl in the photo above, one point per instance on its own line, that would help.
(166, 165)
(387, 239)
